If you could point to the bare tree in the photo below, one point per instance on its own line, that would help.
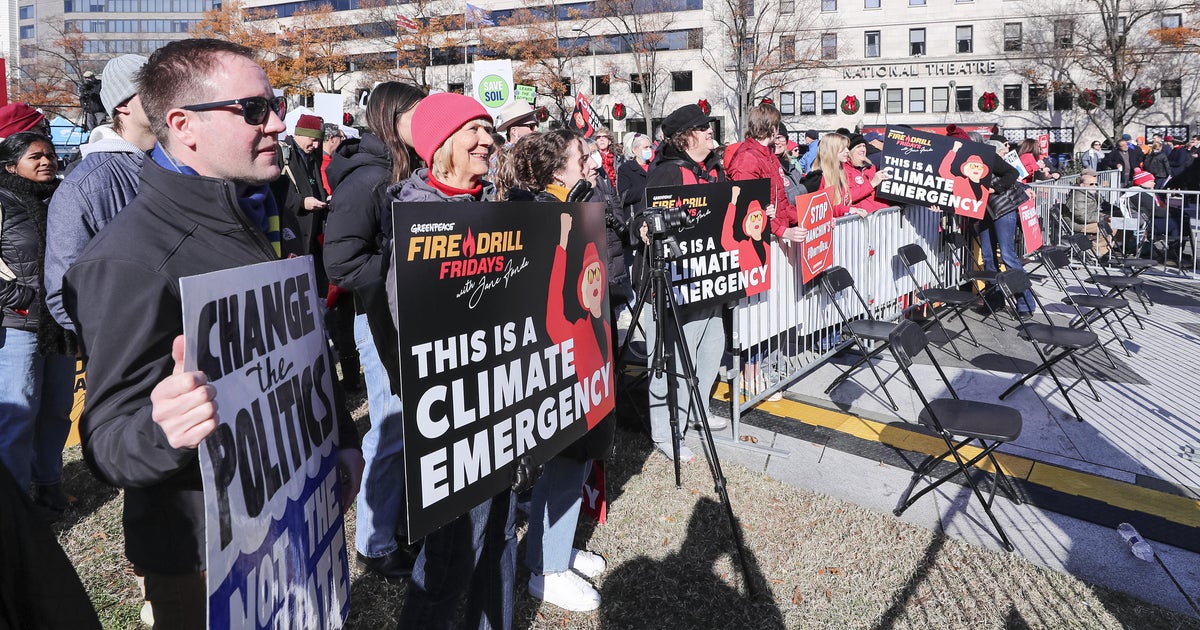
(1110, 49)
(52, 80)
(419, 32)
(639, 30)
(764, 45)
(538, 37)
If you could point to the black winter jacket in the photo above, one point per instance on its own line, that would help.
(300, 179)
(126, 301)
(22, 248)
(631, 184)
(358, 236)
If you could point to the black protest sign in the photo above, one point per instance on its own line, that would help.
(723, 233)
(929, 169)
(276, 542)
(505, 344)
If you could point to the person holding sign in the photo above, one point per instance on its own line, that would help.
(1000, 230)
(475, 554)
(686, 158)
(832, 156)
(754, 158)
(862, 176)
(203, 205)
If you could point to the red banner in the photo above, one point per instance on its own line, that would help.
(816, 216)
(1044, 143)
(1031, 229)
(585, 119)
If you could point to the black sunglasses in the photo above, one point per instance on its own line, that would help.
(255, 109)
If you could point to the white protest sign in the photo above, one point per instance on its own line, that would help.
(493, 84)
(276, 543)
(329, 107)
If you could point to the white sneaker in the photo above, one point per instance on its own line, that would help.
(565, 589)
(588, 564)
(685, 453)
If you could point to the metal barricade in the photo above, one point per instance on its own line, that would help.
(791, 329)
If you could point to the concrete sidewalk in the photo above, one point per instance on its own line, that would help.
(1128, 462)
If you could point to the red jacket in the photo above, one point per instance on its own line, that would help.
(862, 194)
(752, 160)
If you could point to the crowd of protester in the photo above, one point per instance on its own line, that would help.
(192, 170)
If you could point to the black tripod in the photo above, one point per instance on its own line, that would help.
(658, 287)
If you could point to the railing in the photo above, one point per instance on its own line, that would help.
(791, 329)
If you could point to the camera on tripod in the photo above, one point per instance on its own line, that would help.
(659, 220)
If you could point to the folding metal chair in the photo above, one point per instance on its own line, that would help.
(959, 423)
(870, 335)
(1115, 284)
(1058, 265)
(954, 300)
(1047, 338)
(958, 243)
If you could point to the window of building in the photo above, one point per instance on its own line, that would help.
(787, 6)
(635, 83)
(808, 103)
(829, 5)
(871, 44)
(25, 13)
(964, 37)
(916, 3)
(1171, 88)
(916, 41)
(829, 46)
(1012, 37)
(27, 32)
(1172, 20)
(871, 4)
(964, 98)
(787, 48)
(566, 83)
(1064, 100)
(871, 101)
(681, 81)
(747, 8)
(829, 102)
(941, 100)
(1064, 33)
(601, 84)
(916, 100)
(1012, 98)
(787, 103)
(1037, 98)
(895, 101)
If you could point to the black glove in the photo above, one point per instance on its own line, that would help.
(581, 191)
(525, 474)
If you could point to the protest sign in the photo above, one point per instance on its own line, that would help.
(816, 216)
(1014, 161)
(492, 81)
(276, 543)
(584, 118)
(526, 93)
(928, 169)
(723, 235)
(505, 344)
(1031, 228)
(1044, 144)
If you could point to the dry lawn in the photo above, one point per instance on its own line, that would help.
(819, 562)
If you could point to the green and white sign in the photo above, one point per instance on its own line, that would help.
(526, 93)
(493, 83)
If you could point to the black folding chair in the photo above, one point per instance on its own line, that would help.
(958, 243)
(1047, 338)
(959, 423)
(1058, 265)
(953, 300)
(869, 335)
(1115, 284)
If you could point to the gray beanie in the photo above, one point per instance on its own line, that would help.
(119, 81)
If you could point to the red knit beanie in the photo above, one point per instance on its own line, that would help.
(18, 117)
(438, 116)
(1141, 178)
(309, 126)
(954, 131)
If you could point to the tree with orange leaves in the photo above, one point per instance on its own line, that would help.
(52, 78)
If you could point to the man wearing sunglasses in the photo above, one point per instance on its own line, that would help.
(203, 205)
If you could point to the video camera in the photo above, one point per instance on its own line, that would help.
(659, 220)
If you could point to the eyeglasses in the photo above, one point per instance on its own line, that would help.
(255, 109)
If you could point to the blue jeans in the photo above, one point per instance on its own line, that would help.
(380, 512)
(475, 554)
(1005, 231)
(704, 336)
(36, 395)
(554, 514)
